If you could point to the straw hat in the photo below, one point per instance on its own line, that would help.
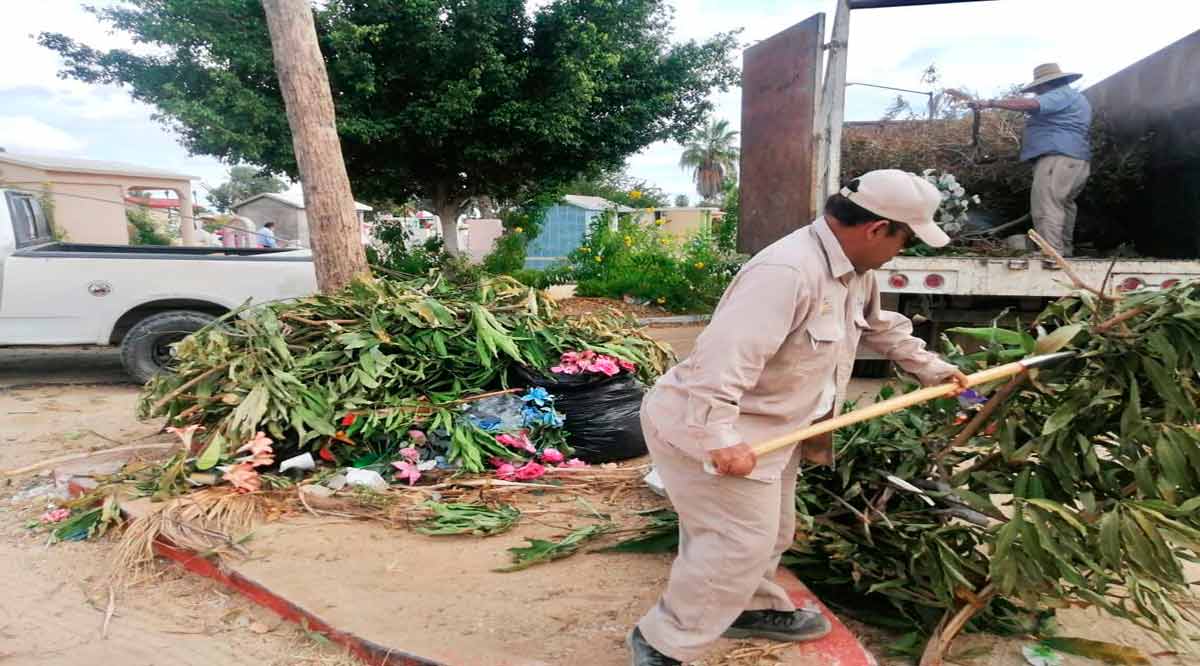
(1047, 73)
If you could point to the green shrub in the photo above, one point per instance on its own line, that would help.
(648, 264)
(394, 253)
(142, 229)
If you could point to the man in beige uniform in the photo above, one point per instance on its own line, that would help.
(776, 356)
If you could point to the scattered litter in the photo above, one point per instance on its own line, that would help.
(315, 490)
(501, 413)
(336, 482)
(302, 462)
(40, 491)
(367, 478)
(1041, 655)
(654, 482)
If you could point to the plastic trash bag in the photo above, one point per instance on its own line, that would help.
(500, 413)
(603, 414)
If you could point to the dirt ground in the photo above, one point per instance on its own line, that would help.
(56, 597)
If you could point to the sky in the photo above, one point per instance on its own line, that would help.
(984, 46)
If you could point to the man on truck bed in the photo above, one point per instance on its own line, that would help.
(1056, 141)
(776, 357)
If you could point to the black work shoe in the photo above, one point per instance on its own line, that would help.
(800, 625)
(642, 653)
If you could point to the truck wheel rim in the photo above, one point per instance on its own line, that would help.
(164, 355)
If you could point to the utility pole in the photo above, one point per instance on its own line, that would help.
(333, 222)
(831, 110)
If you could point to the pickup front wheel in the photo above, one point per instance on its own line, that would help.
(146, 349)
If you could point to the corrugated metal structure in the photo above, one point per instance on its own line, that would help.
(565, 227)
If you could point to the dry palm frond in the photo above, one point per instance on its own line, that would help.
(208, 522)
(750, 653)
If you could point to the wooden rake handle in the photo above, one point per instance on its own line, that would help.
(879, 409)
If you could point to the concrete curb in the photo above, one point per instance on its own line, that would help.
(840, 648)
(364, 650)
(674, 320)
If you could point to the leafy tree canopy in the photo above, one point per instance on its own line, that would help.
(244, 182)
(445, 99)
(618, 187)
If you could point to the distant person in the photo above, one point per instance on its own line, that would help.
(1057, 141)
(267, 235)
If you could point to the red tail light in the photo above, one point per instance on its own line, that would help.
(1167, 284)
(934, 281)
(1131, 284)
(898, 281)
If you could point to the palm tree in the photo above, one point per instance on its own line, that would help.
(712, 156)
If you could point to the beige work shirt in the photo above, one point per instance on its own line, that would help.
(789, 323)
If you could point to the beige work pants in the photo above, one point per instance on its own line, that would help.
(1057, 182)
(732, 533)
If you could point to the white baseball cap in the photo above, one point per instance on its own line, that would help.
(901, 196)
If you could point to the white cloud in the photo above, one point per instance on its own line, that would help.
(29, 134)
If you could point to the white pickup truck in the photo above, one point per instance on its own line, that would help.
(141, 298)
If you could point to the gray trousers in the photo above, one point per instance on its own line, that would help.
(1057, 182)
(733, 532)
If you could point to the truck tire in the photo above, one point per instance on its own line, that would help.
(146, 349)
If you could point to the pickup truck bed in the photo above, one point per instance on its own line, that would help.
(79, 250)
(143, 298)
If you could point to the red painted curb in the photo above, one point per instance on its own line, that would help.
(367, 651)
(841, 646)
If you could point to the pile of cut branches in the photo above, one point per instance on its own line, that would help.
(371, 366)
(1082, 491)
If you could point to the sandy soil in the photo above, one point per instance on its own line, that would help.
(55, 598)
(580, 305)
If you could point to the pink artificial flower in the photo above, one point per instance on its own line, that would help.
(626, 365)
(417, 437)
(575, 462)
(261, 453)
(586, 359)
(497, 462)
(518, 441)
(570, 358)
(605, 365)
(185, 434)
(407, 471)
(410, 454)
(506, 472)
(552, 456)
(243, 477)
(530, 471)
(55, 516)
(565, 369)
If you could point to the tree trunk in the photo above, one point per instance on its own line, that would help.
(333, 223)
(446, 207)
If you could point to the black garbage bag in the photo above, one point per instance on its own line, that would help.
(602, 413)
